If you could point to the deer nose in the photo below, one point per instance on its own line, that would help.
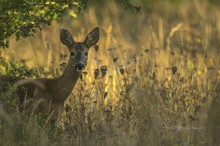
(79, 66)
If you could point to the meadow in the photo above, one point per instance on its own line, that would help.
(161, 86)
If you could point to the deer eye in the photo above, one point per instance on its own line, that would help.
(86, 54)
(72, 54)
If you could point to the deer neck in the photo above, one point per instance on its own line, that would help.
(67, 81)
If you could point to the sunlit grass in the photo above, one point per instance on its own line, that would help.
(162, 73)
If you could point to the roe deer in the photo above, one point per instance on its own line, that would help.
(47, 95)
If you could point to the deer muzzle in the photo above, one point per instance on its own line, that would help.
(79, 66)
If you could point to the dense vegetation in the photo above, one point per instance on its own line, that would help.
(161, 86)
(24, 17)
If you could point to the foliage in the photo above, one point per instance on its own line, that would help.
(24, 17)
(129, 6)
(10, 73)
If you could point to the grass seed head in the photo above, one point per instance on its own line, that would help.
(103, 70)
(96, 73)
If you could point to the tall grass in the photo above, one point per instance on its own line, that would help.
(151, 82)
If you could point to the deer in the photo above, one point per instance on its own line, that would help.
(47, 95)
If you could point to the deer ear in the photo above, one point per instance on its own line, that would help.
(92, 38)
(66, 37)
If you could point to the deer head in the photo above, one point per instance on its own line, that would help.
(79, 50)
